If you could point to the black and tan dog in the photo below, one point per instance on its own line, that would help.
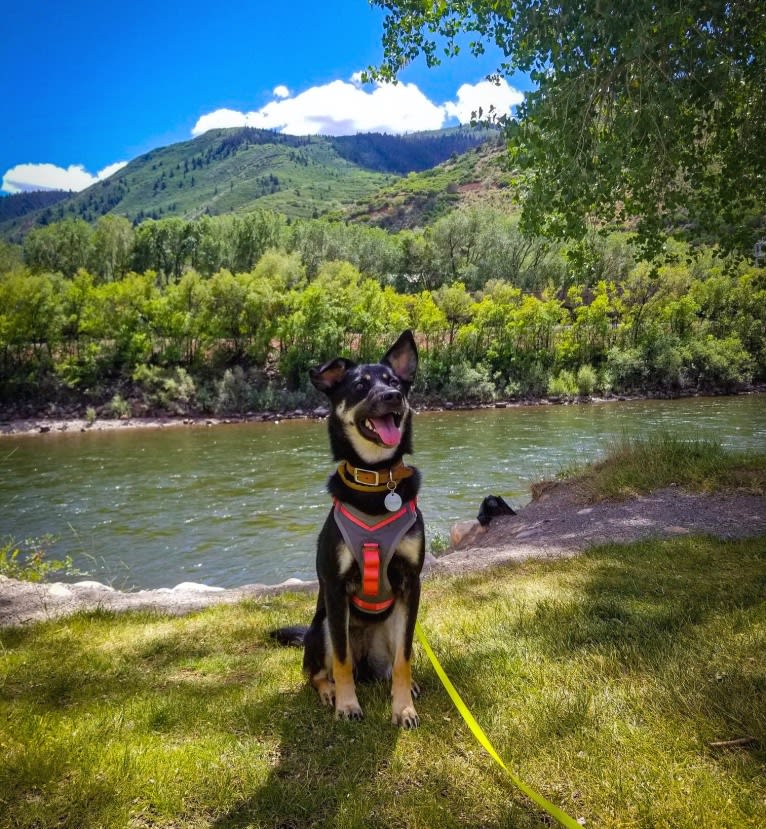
(371, 548)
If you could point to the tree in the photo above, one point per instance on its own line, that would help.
(165, 246)
(30, 316)
(112, 247)
(455, 239)
(10, 256)
(652, 110)
(254, 234)
(62, 246)
(457, 305)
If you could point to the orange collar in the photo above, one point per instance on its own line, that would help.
(373, 480)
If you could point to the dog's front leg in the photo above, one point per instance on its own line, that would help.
(346, 704)
(403, 711)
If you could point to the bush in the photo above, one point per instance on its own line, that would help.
(665, 358)
(234, 392)
(563, 385)
(85, 370)
(586, 380)
(468, 383)
(171, 390)
(117, 407)
(530, 374)
(719, 364)
(27, 561)
(626, 368)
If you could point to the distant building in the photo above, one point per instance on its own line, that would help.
(759, 253)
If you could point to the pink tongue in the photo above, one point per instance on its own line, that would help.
(387, 430)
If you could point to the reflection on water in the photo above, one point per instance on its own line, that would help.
(232, 505)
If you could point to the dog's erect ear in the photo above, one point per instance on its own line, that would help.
(403, 357)
(326, 377)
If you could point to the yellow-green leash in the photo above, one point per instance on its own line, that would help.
(562, 817)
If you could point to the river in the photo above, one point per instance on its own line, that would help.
(238, 504)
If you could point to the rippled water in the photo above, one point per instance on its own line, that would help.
(237, 504)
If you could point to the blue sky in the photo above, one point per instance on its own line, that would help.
(89, 85)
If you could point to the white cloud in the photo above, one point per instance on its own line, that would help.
(220, 119)
(24, 178)
(483, 96)
(110, 170)
(345, 108)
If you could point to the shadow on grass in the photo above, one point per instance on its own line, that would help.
(686, 614)
(185, 720)
(324, 769)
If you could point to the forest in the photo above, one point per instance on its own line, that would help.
(225, 314)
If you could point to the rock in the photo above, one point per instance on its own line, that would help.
(293, 582)
(464, 532)
(93, 585)
(195, 587)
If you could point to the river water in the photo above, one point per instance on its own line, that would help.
(238, 504)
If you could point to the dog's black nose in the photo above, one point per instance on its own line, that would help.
(392, 396)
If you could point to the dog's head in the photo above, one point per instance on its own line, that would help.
(370, 421)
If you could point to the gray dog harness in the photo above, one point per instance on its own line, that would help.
(373, 546)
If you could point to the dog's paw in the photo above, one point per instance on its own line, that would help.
(349, 711)
(415, 690)
(326, 690)
(406, 718)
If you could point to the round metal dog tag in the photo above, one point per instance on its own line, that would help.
(392, 501)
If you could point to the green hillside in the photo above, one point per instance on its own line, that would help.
(478, 177)
(238, 170)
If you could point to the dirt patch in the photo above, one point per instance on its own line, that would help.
(554, 526)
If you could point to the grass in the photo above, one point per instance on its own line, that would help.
(636, 466)
(601, 680)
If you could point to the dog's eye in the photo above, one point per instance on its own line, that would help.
(361, 385)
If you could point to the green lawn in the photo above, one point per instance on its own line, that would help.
(602, 681)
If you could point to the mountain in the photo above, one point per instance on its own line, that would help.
(17, 205)
(237, 170)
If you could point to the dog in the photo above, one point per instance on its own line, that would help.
(371, 549)
(492, 507)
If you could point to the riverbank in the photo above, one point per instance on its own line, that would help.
(59, 423)
(558, 523)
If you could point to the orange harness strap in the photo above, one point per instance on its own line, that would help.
(373, 546)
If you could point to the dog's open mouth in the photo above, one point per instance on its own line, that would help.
(385, 429)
